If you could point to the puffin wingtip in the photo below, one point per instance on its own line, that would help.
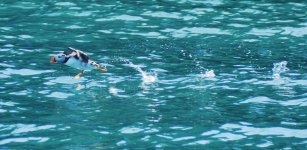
(70, 48)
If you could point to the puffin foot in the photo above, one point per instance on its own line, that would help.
(102, 69)
(79, 75)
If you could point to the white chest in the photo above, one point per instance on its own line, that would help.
(75, 63)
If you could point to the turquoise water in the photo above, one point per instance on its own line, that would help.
(183, 74)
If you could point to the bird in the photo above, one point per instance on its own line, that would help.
(78, 60)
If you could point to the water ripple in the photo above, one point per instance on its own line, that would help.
(65, 4)
(130, 130)
(24, 72)
(60, 95)
(268, 131)
(229, 136)
(22, 128)
(174, 15)
(123, 17)
(265, 100)
(23, 140)
(194, 31)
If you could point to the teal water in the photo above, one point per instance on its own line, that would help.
(183, 74)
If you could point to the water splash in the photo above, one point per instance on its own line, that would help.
(209, 74)
(147, 78)
(279, 68)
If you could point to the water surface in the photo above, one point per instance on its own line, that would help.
(184, 74)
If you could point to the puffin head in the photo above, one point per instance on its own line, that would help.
(59, 58)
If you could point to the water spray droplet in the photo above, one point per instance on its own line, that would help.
(279, 68)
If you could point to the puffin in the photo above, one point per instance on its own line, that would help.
(78, 60)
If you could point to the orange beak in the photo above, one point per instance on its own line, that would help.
(52, 60)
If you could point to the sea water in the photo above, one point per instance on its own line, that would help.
(182, 74)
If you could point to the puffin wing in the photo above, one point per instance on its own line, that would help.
(71, 52)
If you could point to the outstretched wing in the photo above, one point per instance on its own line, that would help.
(71, 52)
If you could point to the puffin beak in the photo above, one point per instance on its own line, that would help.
(52, 60)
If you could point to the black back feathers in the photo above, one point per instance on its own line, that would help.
(71, 52)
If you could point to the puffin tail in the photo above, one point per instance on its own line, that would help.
(102, 69)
